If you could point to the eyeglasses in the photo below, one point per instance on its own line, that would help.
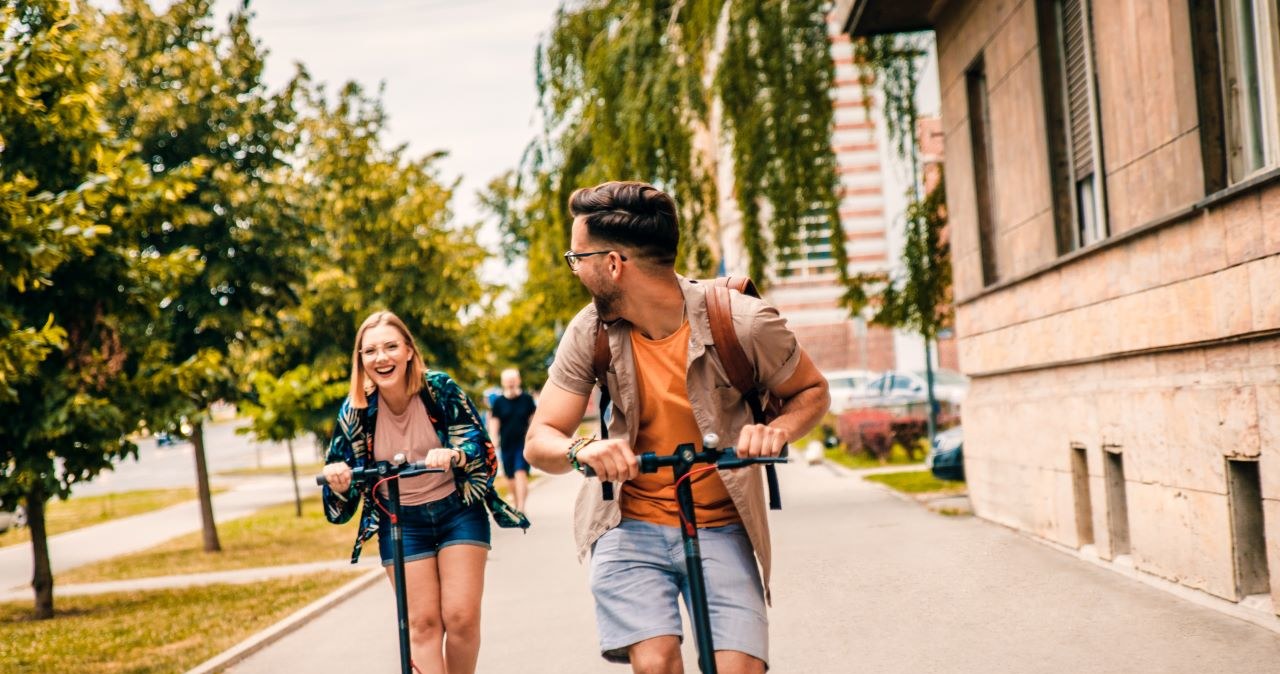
(370, 352)
(574, 260)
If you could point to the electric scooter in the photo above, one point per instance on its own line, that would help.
(681, 462)
(391, 472)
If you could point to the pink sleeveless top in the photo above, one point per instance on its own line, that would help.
(412, 434)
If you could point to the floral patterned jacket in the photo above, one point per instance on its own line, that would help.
(456, 422)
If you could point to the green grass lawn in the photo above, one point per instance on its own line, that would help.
(269, 537)
(83, 511)
(157, 631)
(897, 457)
(917, 482)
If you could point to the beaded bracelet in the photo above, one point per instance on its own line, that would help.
(572, 454)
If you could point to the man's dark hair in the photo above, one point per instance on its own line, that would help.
(632, 214)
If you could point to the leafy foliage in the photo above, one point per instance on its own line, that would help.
(78, 289)
(382, 238)
(892, 63)
(636, 91)
(192, 96)
(775, 83)
(918, 297)
(664, 92)
(173, 234)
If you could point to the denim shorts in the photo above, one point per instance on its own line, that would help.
(428, 527)
(638, 569)
(513, 460)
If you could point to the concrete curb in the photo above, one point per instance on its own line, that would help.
(299, 618)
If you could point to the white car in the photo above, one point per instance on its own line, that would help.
(896, 385)
(847, 387)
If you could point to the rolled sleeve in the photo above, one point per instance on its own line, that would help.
(773, 347)
(571, 370)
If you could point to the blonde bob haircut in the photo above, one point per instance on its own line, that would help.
(361, 387)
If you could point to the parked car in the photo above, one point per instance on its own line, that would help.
(16, 519)
(900, 386)
(946, 456)
(847, 387)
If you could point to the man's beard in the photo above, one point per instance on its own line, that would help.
(607, 303)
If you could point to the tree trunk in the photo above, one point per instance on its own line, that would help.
(293, 471)
(202, 487)
(42, 578)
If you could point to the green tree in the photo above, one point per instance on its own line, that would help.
(524, 334)
(665, 92)
(655, 91)
(383, 239)
(284, 408)
(917, 298)
(191, 95)
(75, 285)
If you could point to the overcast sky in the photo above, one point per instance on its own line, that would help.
(458, 73)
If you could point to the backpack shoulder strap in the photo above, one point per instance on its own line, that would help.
(742, 284)
(739, 369)
(601, 357)
(600, 365)
(720, 314)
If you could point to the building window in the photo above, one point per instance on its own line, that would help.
(1071, 111)
(980, 142)
(810, 258)
(1250, 54)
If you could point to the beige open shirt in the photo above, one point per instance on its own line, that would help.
(717, 406)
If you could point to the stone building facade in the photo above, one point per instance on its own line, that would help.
(1113, 183)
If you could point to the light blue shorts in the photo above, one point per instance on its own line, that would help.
(638, 569)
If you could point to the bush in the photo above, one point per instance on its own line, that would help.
(865, 430)
(874, 431)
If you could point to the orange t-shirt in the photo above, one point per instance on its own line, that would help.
(666, 421)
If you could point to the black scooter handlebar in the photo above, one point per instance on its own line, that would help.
(382, 469)
(723, 458)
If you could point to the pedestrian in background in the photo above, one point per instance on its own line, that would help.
(508, 422)
(397, 406)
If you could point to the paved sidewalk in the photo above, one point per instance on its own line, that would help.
(533, 579)
(139, 532)
(863, 582)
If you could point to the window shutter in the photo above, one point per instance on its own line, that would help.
(1078, 76)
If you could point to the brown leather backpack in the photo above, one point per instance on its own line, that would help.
(764, 407)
